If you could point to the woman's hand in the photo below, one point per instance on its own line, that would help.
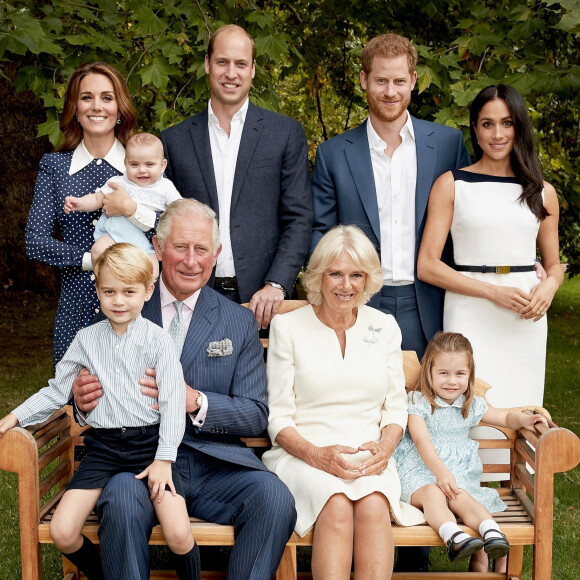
(541, 299)
(381, 453)
(330, 459)
(118, 202)
(158, 476)
(509, 297)
(447, 484)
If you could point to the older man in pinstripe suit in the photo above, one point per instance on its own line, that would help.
(226, 399)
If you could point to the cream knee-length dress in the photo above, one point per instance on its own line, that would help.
(334, 400)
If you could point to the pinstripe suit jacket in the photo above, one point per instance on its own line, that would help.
(235, 385)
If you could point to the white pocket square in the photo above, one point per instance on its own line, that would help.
(220, 348)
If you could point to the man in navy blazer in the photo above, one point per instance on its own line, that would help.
(251, 167)
(378, 177)
(226, 398)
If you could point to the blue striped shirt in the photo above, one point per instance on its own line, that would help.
(119, 362)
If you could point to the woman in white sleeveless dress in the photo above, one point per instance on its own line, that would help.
(499, 211)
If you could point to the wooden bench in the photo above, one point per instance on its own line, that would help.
(43, 456)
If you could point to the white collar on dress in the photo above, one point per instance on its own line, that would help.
(81, 157)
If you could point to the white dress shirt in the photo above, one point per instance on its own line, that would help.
(395, 182)
(224, 153)
(167, 313)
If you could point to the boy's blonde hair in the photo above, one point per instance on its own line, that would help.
(145, 140)
(127, 263)
(446, 342)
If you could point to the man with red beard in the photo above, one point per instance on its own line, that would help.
(378, 177)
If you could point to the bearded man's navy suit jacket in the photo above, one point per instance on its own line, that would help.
(344, 193)
(271, 207)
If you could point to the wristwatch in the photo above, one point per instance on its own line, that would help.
(276, 285)
(199, 400)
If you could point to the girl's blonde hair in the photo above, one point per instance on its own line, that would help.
(446, 342)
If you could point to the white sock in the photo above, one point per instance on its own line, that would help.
(489, 525)
(448, 529)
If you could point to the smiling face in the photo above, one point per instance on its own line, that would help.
(97, 109)
(342, 286)
(388, 85)
(495, 130)
(121, 302)
(145, 164)
(230, 69)
(450, 375)
(188, 255)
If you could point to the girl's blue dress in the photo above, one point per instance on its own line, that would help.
(449, 433)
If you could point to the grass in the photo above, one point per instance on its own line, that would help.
(26, 354)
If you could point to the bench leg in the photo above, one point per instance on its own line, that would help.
(287, 570)
(515, 562)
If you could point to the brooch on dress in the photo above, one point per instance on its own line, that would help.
(373, 337)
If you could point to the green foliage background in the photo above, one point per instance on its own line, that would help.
(308, 63)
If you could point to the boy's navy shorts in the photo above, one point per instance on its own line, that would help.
(112, 451)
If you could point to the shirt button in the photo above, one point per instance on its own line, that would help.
(118, 370)
(99, 161)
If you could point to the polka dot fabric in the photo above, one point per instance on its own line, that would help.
(78, 302)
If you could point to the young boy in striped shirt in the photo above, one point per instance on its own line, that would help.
(127, 434)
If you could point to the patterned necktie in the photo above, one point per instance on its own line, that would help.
(176, 328)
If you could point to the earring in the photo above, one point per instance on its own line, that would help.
(119, 121)
(77, 119)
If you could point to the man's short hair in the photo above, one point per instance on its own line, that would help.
(229, 28)
(389, 45)
(127, 263)
(144, 140)
(189, 208)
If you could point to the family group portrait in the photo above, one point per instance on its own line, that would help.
(290, 289)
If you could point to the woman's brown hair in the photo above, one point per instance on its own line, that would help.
(72, 131)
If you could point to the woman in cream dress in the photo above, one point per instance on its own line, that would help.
(338, 409)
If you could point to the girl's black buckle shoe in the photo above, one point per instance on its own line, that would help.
(463, 549)
(495, 547)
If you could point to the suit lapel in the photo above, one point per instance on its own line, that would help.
(251, 132)
(426, 143)
(202, 147)
(204, 317)
(358, 158)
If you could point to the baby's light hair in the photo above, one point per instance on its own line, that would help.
(444, 343)
(145, 140)
(127, 263)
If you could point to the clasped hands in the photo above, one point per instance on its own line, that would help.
(334, 459)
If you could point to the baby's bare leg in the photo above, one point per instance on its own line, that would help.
(100, 246)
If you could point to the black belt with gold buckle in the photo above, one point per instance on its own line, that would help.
(494, 269)
(226, 284)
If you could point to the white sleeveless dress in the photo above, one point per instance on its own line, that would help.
(491, 227)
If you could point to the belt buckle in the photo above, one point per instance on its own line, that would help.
(502, 269)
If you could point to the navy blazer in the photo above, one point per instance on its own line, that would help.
(235, 385)
(271, 209)
(344, 192)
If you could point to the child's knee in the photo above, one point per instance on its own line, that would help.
(65, 537)
(179, 539)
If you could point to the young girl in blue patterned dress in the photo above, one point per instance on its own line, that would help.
(437, 461)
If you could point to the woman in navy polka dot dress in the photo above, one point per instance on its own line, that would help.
(97, 120)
